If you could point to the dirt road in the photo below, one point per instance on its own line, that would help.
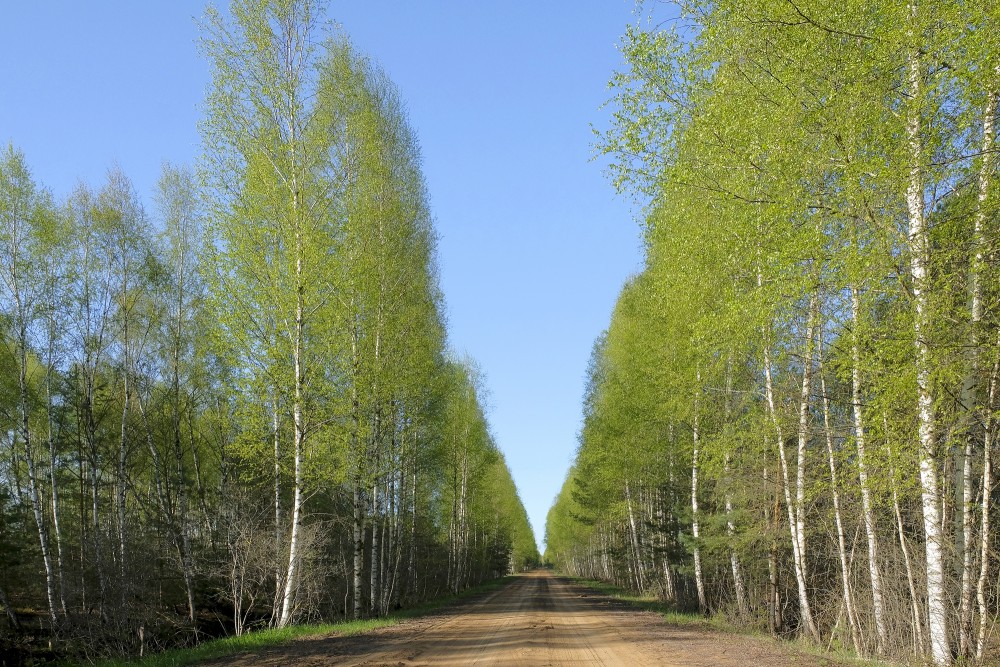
(538, 619)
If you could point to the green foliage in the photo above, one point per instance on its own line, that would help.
(782, 149)
(223, 401)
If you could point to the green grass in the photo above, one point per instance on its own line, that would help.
(668, 611)
(256, 641)
(675, 616)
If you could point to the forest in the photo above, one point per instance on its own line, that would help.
(239, 409)
(791, 420)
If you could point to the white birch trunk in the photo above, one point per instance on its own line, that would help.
(288, 601)
(969, 389)
(463, 525)
(359, 547)
(795, 508)
(634, 533)
(53, 486)
(742, 602)
(984, 527)
(120, 487)
(919, 249)
(793, 523)
(698, 579)
(36, 499)
(918, 621)
(298, 351)
(773, 592)
(801, 573)
(36, 506)
(860, 442)
(375, 560)
(12, 278)
(845, 568)
(279, 570)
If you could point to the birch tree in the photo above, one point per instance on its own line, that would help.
(20, 207)
(798, 150)
(269, 215)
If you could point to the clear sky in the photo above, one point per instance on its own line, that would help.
(502, 94)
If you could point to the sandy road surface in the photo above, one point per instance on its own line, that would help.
(538, 619)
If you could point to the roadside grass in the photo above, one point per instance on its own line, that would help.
(667, 610)
(838, 655)
(263, 639)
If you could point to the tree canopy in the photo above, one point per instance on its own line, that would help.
(239, 409)
(791, 418)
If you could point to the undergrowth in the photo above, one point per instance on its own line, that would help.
(669, 611)
(262, 639)
(674, 616)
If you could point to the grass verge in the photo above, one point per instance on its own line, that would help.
(668, 611)
(719, 623)
(255, 641)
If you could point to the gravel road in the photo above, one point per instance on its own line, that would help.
(537, 619)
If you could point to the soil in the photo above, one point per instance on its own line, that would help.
(537, 619)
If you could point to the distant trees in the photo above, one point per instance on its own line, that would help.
(240, 411)
(802, 377)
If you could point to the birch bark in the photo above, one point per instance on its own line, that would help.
(795, 508)
(969, 388)
(860, 443)
(984, 527)
(742, 602)
(845, 568)
(920, 258)
(698, 578)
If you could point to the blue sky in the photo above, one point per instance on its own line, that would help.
(534, 242)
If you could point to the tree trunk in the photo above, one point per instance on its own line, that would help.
(984, 528)
(795, 508)
(969, 389)
(279, 578)
(43, 537)
(860, 442)
(801, 569)
(634, 533)
(698, 579)
(739, 585)
(15, 623)
(180, 521)
(774, 617)
(298, 336)
(920, 259)
(462, 525)
(169, 518)
(121, 485)
(53, 457)
(918, 625)
(95, 514)
(795, 514)
(29, 458)
(845, 568)
(359, 547)
(375, 560)
(287, 605)
(411, 570)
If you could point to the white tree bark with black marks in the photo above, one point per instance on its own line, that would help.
(919, 267)
(845, 568)
(695, 532)
(861, 445)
